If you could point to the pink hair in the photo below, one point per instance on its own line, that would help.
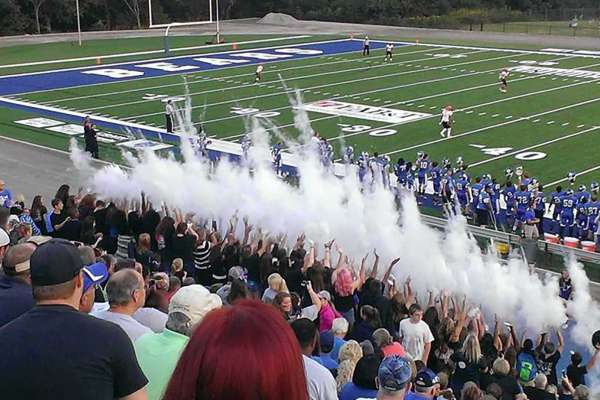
(343, 282)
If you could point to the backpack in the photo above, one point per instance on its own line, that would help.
(526, 366)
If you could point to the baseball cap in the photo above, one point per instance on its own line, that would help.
(394, 373)
(237, 273)
(4, 239)
(94, 274)
(426, 378)
(324, 294)
(194, 301)
(39, 240)
(57, 261)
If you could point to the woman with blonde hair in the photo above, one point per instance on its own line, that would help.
(349, 355)
(466, 363)
(276, 285)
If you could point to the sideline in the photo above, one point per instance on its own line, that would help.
(142, 53)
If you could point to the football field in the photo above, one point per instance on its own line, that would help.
(548, 121)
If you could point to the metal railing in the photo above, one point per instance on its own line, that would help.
(515, 240)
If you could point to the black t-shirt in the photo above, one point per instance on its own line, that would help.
(343, 303)
(576, 375)
(57, 219)
(510, 386)
(252, 266)
(547, 366)
(183, 247)
(464, 371)
(56, 352)
(71, 230)
(15, 299)
(538, 394)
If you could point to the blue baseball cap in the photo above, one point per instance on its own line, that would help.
(426, 378)
(94, 274)
(394, 373)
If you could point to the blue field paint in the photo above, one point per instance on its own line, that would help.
(76, 77)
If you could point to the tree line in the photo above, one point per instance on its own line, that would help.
(44, 16)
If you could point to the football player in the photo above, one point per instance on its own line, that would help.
(388, 52)
(446, 121)
(569, 203)
(258, 75)
(503, 77)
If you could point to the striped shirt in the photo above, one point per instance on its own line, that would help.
(123, 242)
(201, 255)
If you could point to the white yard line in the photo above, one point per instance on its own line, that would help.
(485, 128)
(512, 153)
(206, 79)
(165, 58)
(252, 84)
(142, 53)
(586, 171)
(318, 87)
(389, 102)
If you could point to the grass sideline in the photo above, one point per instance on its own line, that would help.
(100, 48)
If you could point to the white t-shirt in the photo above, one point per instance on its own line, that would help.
(446, 115)
(414, 337)
(259, 69)
(169, 110)
(367, 41)
(389, 47)
(503, 74)
(321, 385)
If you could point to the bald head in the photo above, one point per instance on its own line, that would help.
(124, 287)
(2, 184)
(541, 381)
(87, 255)
(16, 259)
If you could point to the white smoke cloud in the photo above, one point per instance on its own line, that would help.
(326, 207)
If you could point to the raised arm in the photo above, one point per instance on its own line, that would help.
(247, 230)
(374, 271)
(561, 341)
(327, 258)
(497, 340)
(313, 296)
(309, 259)
(386, 277)
(460, 316)
(593, 360)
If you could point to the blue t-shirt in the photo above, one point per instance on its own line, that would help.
(415, 396)
(352, 392)
(5, 198)
(337, 345)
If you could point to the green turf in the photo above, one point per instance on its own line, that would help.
(522, 119)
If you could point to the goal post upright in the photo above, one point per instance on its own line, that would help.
(168, 26)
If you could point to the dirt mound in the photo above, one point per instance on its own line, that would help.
(278, 19)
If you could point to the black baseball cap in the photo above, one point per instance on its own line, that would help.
(54, 262)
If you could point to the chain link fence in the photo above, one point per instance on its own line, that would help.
(565, 22)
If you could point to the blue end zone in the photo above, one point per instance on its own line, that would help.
(74, 77)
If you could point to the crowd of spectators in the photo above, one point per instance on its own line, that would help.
(103, 300)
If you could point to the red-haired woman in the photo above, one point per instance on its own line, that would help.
(245, 352)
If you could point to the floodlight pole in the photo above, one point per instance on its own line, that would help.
(78, 22)
(218, 31)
